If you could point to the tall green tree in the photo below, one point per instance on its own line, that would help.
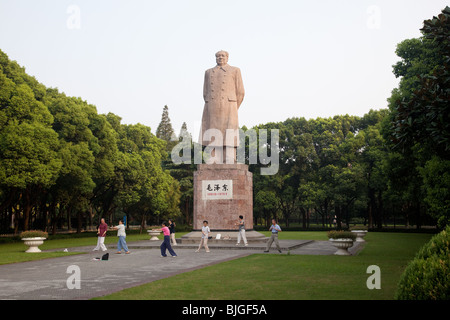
(420, 121)
(165, 130)
(28, 144)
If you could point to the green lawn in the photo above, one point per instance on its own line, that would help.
(15, 252)
(264, 276)
(286, 277)
(299, 235)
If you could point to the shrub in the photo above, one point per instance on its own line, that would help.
(34, 234)
(333, 234)
(427, 277)
(365, 228)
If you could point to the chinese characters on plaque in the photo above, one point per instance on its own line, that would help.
(217, 189)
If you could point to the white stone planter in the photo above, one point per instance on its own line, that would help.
(342, 246)
(33, 244)
(360, 234)
(154, 234)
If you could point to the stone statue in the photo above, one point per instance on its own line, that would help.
(223, 92)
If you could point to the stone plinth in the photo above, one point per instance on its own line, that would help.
(222, 192)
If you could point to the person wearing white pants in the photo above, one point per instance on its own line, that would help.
(205, 234)
(172, 232)
(102, 228)
(241, 233)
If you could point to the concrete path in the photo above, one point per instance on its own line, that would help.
(51, 279)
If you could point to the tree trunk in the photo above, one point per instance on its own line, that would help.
(337, 211)
(308, 214)
(380, 209)
(142, 224)
(303, 211)
(186, 208)
(90, 216)
(79, 221)
(53, 216)
(16, 221)
(69, 214)
(27, 209)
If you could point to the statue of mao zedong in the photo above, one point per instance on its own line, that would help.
(223, 92)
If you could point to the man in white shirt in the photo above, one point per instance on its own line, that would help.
(275, 228)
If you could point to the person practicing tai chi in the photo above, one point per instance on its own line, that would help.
(275, 228)
(172, 232)
(241, 233)
(166, 243)
(101, 231)
(205, 234)
(121, 244)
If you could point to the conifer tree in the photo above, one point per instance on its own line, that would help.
(165, 130)
(184, 133)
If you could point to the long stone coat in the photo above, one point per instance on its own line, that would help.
(223, 92)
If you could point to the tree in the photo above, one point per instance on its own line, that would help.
(422, 116)
(184, 173)
(77, 142)
(28, 144)
(436, 178)
(60, 159)
(165, 130)
(265, 206)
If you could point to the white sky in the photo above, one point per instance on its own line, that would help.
(298, 58)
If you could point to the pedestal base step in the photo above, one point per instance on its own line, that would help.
(225, 237)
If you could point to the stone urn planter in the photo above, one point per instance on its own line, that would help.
(33, 239)
(33, 244)
(342, 240)
(342, 246)
(154, 234)
(360, 234)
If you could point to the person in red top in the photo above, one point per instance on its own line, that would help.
(166, 244)
(101, 231)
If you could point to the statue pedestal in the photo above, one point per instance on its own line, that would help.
(223, 192)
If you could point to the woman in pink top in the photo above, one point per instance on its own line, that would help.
(166, 243)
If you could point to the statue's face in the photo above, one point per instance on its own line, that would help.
(221, 58)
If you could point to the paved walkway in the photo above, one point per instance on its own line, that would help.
(48, 279)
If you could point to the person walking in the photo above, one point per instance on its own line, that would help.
(205, 234)
(121, 244)
(172, 232)
(241, 233)
(101, 231)
(166, 243)
(275, 228)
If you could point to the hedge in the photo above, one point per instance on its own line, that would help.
(427, 277)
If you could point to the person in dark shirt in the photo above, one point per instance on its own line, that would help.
(172, 232)
(101, 231)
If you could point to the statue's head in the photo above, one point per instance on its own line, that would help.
(222, 58)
